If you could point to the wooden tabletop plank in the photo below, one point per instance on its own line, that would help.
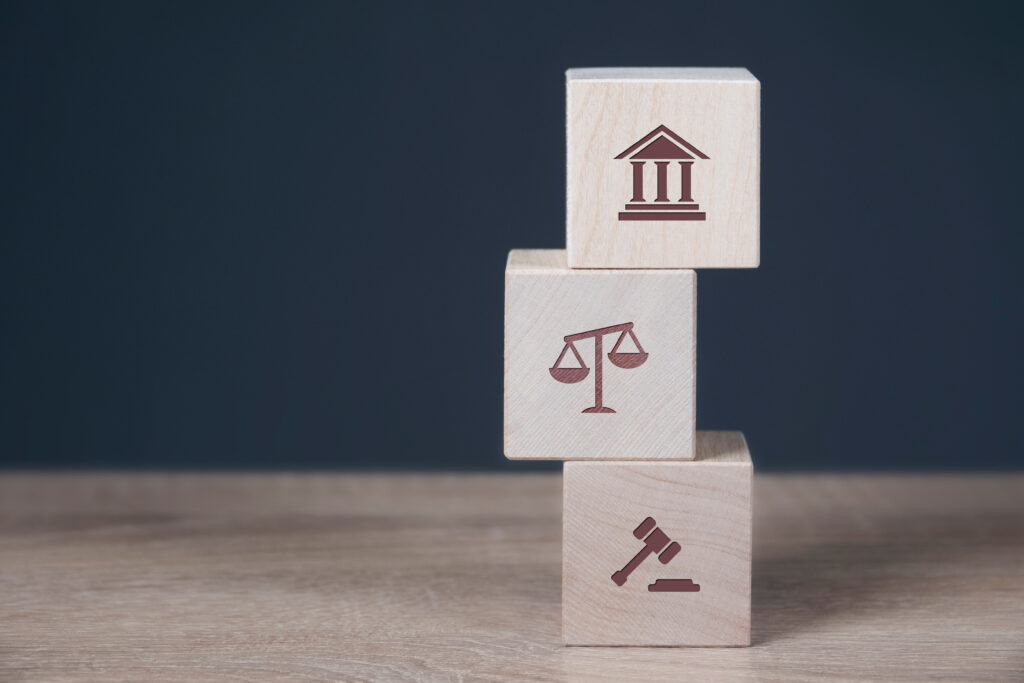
(448, 577)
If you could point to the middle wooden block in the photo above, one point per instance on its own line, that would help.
(599, 364)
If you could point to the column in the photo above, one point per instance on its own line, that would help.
(685, 167)
(662, 181)
(638, 181)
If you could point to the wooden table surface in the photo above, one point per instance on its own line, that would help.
(451, 577)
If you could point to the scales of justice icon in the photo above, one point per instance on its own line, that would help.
(621, 359)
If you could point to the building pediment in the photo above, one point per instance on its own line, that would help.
(662, 143)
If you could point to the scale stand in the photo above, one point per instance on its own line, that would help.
(622, 360)
(598, 406)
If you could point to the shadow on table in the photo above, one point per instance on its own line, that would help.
(821, 569)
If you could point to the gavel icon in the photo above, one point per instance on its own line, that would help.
(656, 542)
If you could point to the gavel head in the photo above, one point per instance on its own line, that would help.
(658, 541)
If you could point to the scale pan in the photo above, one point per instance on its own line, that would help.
(569, 375)
(628, 360)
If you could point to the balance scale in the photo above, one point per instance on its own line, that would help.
(622, 360)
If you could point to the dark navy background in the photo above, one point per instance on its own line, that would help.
(239, 235)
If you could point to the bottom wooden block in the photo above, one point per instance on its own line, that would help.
(658, 553)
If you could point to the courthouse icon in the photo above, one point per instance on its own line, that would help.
(662, 146)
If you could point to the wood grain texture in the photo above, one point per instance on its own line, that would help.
(704, 506)
(717, 111)
(655, 403)
(446, 577)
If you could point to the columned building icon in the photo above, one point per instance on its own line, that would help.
(662, 146)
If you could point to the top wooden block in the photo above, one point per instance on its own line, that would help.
(663, 168)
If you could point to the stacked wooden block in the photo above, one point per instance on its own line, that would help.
(663, 178)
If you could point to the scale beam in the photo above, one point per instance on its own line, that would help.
(599, 332)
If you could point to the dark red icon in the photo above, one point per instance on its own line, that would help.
(662, 146)
(674, 586)
(656, 542)
(621, 359)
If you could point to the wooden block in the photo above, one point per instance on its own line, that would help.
(663, 168)
(675, 535)
(633, 401)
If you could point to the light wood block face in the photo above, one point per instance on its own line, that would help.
(676, 536)
(634, 400)
(663, 168)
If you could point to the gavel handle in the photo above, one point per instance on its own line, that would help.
(619, 577)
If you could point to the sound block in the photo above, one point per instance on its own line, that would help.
(663, 168)
(658, 553)
(598, 364)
